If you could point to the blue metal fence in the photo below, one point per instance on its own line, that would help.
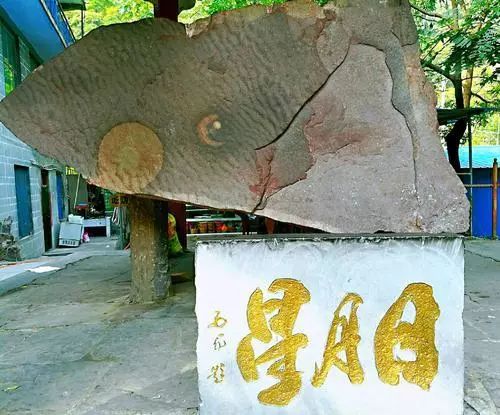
(60, 19)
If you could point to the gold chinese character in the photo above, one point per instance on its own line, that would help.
(219, 322)
(418, 336)
(348, 343)
(217, 373)
(285, 351)
(219, 342)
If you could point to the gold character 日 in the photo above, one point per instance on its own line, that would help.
(348, 343)
(283, 353)
(418, 336)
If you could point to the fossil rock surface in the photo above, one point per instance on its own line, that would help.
(319, 116)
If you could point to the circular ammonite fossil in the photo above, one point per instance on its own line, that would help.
(130, 157)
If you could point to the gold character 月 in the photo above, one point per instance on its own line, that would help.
(284, 353)
(418, 336)
(348, 343)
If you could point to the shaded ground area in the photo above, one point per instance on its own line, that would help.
(71, 344)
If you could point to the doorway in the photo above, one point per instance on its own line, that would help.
(46, 210)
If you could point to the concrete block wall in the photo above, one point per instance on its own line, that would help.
(14, 152)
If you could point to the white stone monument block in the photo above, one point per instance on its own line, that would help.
(330, 325)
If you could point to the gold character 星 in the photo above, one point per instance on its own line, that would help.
(285, 351)
(348, 343)
(418, 336)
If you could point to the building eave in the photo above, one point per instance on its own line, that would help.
(33, 22)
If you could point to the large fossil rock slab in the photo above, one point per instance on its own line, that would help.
(316, 116)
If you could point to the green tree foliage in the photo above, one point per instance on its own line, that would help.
(460, 43)
(106, 12)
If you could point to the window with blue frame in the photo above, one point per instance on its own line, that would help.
(23, 200)
(11, 59)
(33, 62)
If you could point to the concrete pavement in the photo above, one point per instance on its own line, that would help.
(482, 326)
(72, 344)
(15, 275)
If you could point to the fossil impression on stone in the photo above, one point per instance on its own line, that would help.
(319, 116)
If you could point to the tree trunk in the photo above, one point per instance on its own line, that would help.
(168, 9)
(463, 94)
(149, 250)
(453, 139)
(467, 87)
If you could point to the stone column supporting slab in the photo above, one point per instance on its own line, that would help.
(149, 248)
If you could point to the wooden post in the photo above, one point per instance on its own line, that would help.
(149, 250)
(168, 9)
(494, 193)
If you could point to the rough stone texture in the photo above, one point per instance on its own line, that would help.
(149, 248)
(316, 116)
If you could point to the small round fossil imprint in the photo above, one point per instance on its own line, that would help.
(205, 126)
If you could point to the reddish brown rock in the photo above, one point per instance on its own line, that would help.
(316, 116)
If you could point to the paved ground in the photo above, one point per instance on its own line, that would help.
(13, 276)
(70, 343)
(482, 325)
